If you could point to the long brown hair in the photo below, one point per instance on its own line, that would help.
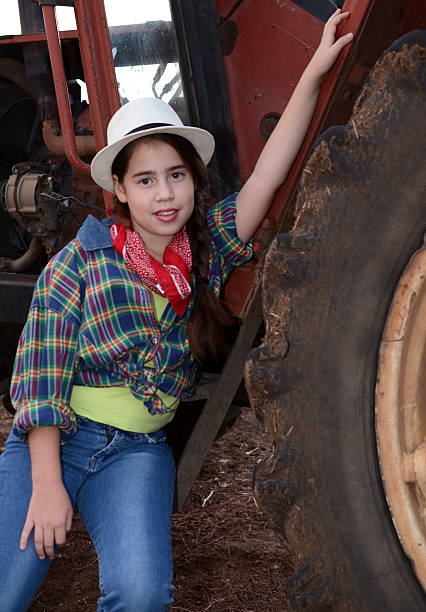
(210, 315)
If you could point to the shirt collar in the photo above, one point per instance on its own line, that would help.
(94, 233)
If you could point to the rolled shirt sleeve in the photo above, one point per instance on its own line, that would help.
(44, 365)
(43, 372)
(231, 251)
(222, 228)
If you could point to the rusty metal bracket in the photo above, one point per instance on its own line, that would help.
(98, 68)
(220, 398)
(61, 88)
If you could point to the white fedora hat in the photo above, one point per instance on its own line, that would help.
(140, 118)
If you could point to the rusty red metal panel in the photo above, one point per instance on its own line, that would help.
(274, 45)
(275, 42)
(227, 7)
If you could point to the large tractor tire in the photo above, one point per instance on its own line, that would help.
(337, 492)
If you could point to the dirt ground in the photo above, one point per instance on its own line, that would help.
(226, 557)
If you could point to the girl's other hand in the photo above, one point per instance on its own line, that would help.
(50, 515)
(330, 47)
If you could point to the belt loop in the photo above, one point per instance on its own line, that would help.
(109, 433)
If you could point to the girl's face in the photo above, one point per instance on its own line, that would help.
(159, 191)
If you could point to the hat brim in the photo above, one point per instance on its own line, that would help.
(101, 164)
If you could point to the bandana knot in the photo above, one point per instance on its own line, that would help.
(170, 279)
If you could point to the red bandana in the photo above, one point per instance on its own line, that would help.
(171, 278)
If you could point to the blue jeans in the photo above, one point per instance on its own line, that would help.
(122, 486)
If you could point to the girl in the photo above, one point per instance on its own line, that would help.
(116, 322)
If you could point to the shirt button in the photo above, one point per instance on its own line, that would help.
(154, 339)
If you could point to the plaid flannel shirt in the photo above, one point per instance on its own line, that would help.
(92, 323)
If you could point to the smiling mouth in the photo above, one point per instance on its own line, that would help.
(166, 213)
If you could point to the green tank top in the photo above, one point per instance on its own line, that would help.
(117, 406)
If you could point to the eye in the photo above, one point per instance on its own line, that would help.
(145, 180)
(177, 174)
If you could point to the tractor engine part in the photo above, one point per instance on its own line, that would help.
(26, 198)
(54, 140)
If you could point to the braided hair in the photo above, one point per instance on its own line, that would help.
(210, 316)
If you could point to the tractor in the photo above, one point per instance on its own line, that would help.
(332, 310)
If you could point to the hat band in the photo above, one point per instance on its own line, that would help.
(148, 126)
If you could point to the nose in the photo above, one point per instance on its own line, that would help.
(164, 191)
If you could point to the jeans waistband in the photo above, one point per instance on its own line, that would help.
(158, 436)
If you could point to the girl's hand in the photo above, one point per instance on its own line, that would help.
(50, 515)
(329, 48)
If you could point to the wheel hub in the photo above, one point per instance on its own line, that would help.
(400, 411)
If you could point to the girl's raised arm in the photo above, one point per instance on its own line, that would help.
(278, 154)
